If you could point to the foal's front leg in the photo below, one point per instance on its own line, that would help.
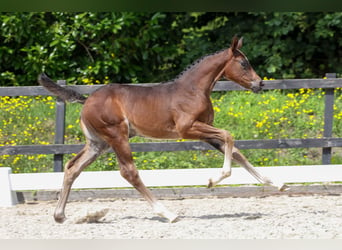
(239, 158)
(206, 132)
(226, 169)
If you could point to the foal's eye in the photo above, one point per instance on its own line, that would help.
(244, 64)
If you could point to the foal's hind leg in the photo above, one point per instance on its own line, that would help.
(119, 143)
(72, 170)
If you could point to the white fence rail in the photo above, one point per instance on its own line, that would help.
(9, 183)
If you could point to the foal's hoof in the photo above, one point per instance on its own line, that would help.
(284, 188)
(160, 210)
(174, 219)
(59, 219)
(210, 184)
(171, 217)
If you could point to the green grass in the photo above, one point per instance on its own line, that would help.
(269, 115)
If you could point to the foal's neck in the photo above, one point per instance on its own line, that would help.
(204, 74)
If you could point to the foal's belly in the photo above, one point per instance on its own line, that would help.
(153, 131)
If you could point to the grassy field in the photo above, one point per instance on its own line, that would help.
(268, 115)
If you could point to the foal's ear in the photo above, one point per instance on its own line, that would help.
(239, 45)
(236, 43)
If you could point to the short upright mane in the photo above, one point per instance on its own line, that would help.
(194, 64)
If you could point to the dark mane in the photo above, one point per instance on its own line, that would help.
(195, 63)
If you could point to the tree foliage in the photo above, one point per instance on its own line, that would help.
(120, 46)
(279, 45)
(152, 47)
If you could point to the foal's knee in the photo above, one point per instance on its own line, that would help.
(229, 138)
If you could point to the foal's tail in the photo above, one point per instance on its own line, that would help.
(65, 93)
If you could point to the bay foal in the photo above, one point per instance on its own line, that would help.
(179, 109)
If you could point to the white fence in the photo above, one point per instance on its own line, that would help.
(9, 183)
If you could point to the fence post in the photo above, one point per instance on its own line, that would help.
(59, 130)
(8, 197)
(328, 119)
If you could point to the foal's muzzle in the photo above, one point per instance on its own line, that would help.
(257, 87)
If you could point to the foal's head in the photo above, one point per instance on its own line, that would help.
(239, 70)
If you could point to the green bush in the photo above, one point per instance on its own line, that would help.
(121, 46)
(153, 47)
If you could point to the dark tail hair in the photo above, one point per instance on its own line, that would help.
(65, 93)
